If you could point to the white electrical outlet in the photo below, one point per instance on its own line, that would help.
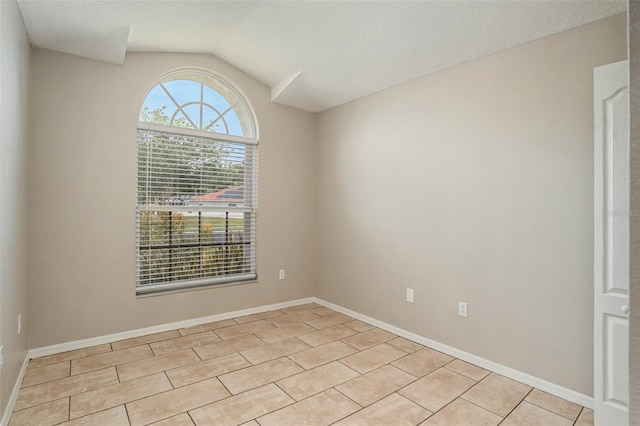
(19, 323)
(410, 295)
(1, 357)
(282, 274)
(462, 309)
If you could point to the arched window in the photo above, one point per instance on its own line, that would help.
(197, 184)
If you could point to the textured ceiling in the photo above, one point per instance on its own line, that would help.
(313, 54)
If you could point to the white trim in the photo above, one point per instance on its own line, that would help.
(208, 74)
(14, 393)
(185, 131)
(543, 385)
(85, 343)
(148, 289)
(191, 208)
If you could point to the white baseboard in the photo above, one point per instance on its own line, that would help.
(511, 373)
(85, 343)
(14, 393)
(543, 385)
(93, 341)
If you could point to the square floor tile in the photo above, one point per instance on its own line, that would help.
(226, 347)
(213, 367)
(437, 389)
(323, 312)
(242, 408)
(206, 327)
(461, 412)
(585, 418)
(109, 359)
(316, 380)
(137, 341)
(274, 350)
(405, 344)
(373, 386)
(56, 389)
(67, 356)
(118, 394)
(392, 410)
(372, 358)
(322, 354)
(184, 342)
(34, 376)
(327, 335)
(282, 333)
(302, 307)
(322, 409)
(497, 394)
(328, 321)
(554, 404)
(529, 414)
(243, 329)
(132, 370)
(358, 325)
(179, 420)
(466, 369)
(173, 402)
(50, 413)
(116, 416)
(369, 338)
(259, 316)
(422, 362)
(259, 375)
(292, 317)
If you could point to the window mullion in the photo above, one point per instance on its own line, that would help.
(201, 104)
(200, 248)
(171, 265)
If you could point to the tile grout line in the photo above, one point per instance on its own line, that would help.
(126, 410)
(480, 406)
(579, 414)
(154, 393)
(189, 415)
(306, 398)
(547, 409)
(517, 405)
(96, 412)
(459, 397)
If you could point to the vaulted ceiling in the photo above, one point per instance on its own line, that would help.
(313, 54)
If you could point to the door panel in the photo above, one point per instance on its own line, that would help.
(611, 244)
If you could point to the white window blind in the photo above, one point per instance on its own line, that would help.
(196, 203)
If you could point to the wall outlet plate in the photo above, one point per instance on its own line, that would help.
(281, 274)
(462, 309)
(410, 295)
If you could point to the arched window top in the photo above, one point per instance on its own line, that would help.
(200, 101)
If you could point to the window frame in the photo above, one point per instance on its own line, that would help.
(249, 184)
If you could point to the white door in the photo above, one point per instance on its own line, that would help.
(611, 255)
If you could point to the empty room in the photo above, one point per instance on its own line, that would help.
(319, 212)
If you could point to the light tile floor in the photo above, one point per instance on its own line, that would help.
(304, 365)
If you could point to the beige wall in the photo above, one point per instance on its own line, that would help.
(14, 98)
(474, 184)
(82, 200)
(634, 349)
